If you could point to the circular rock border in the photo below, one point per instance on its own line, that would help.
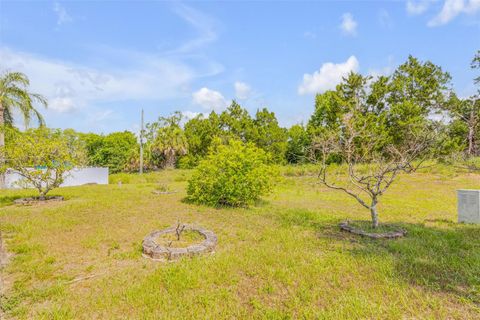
(35, 200)
(161, 253)
(345, 226)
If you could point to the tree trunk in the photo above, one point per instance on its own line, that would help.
(170, 160)
(471, 139)
(2, 144)
(374, 214)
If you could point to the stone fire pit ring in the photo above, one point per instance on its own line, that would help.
(34, 200)
(155, 251)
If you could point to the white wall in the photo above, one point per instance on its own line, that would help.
(75, 177)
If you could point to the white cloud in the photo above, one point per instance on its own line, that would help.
(417, 7)
(242, 90)
(188, 115)
(329, 75)
(70, 86)
(204, 25)
(62, 14)
(452, 8)
(348, 25)
(60, 104)
(210, 99)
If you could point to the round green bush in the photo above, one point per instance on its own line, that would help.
(235, 174)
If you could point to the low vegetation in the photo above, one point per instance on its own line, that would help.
(282, 258)
(232, 175)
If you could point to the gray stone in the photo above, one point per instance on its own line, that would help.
(468, 206)
(176, 253)
(148, 246)
(159, 253)
(209, 244)
(196, 249)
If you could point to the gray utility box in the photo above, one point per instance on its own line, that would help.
(468, 206)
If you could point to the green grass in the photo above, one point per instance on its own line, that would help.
(187, 238)
(284, 258)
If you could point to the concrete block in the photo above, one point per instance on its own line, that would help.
(468, 206)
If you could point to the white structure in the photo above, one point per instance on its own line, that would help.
(468, 206)
(74, 177)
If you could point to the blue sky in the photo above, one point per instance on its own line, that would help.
(100, 62)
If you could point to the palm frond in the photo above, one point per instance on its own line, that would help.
(14, 94)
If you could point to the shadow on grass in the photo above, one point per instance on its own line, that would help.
(256, 204)
(8, 200)
(439, 255)
(442, 256)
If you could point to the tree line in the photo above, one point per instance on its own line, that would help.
(417, 95)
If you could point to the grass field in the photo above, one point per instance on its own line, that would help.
(284, 258)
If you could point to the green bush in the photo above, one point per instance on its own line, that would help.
(114, 150)
(235, 174)
(188, 161)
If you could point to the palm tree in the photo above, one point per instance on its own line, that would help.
(14, 96)
(169, 140)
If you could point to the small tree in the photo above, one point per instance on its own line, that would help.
(377, 128)
(41, 156)
(370, 170)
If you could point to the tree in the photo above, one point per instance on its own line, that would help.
(268, 135)
(92, 142)
(235, 122)
(167, 139)
(424, 83)
(298, 144)
(15, 96)
(465, 115)
(328, 111)
(200, 132)
(378, 128)
(370, 170)
(43, 160)
(113, 150)
(466, 120)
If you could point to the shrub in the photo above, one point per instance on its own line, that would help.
(235, 174)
